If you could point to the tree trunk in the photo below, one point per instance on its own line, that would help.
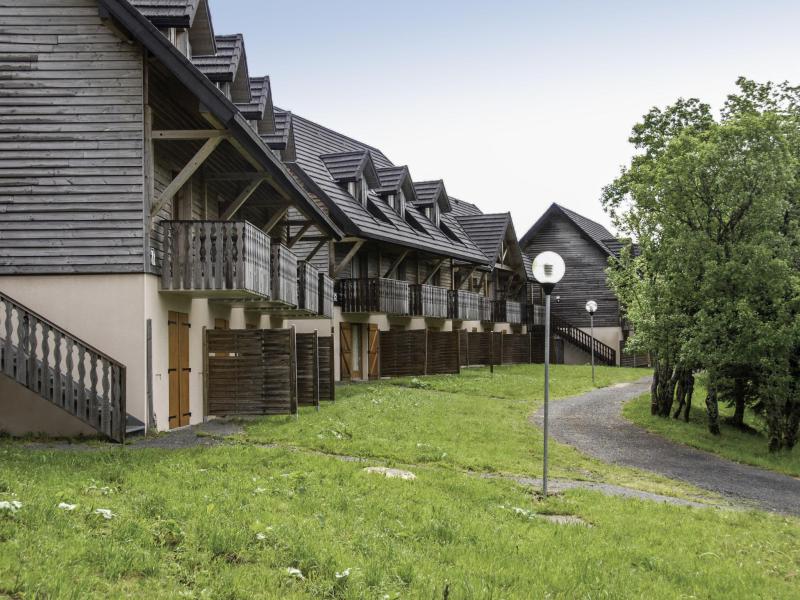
(738, 397)
(689, 394)
(712, 408)
(683, 392)
(654, 389)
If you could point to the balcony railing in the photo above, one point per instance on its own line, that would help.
(507, 311)
(284, 274)
(307, 287)
(464, 305)
(376, 295)
(326, 295)
(535, 315)
(484, 309)
(215, 256)
(429, 301)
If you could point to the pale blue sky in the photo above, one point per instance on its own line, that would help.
(514, 104)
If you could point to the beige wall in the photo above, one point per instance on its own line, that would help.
(611, 336)
(106, 311)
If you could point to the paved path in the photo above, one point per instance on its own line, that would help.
(593, 423)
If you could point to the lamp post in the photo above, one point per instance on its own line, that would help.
(591, 308)
(548, 269)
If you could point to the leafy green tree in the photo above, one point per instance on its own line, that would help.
(714, 206)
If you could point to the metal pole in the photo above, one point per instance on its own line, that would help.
(591, 323)
(546, 384)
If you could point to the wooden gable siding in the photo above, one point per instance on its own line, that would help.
(585, 277)
(71, 140)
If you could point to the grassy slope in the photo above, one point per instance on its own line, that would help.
(188, 522)
(732, 444)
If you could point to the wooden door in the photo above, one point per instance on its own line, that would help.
(373, 348)
(179, 370)
(345, 351)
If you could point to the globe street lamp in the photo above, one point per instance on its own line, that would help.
(591, 308)
(548, 269)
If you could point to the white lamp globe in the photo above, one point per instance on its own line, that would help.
(548, 268)
(591, 307)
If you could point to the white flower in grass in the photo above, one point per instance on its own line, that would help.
(65, 506)
(10, 506)
(259, 490)
(343, 574)
(261, 536)
(295, 572)
(105, 513)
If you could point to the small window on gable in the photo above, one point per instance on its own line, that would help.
(390, 200)
(363, 187)
(435, 214)
(401, 204)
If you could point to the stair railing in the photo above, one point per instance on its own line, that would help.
(62, 369)
(602, 352)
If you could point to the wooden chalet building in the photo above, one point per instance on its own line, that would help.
(586, 247)
(143, 200)
(405, 261)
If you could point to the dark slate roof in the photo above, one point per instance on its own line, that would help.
(260, 100)
(592, 229)
(223, 65)
(429, 192)
(378, 221)
(174, 13)
(487, 231)
(616, 245)
(348, 166)
(394, 179)
(461, 208)
(279, 139)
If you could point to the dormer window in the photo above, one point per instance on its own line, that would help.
(359, 190)
(401, 204)
(432, 212)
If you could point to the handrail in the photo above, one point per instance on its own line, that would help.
(583, 340)
(63, 369)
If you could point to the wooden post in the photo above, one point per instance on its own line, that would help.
(316, 369)
(491, 352)
(205, 374)
(293, 372)
(425, 367)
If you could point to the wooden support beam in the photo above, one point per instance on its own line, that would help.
(396, 263)
(234, 206)
(469, 274)
(435, 270)
(185, 174)
(243, 176)
(346, 260)
(296, 238)
(189, 134)
(275, 219)
(316, 249)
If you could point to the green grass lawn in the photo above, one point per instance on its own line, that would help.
(229, 521)
(733, 444)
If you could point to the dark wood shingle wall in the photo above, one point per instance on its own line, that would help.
(71, 139)
(585, 278)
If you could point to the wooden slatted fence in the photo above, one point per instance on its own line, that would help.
(308, 388)
(251, 371)
(327, 387)
(443, 353)
(402, 353)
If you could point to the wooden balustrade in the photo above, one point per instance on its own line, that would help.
(62, 369)
(484, 309)
(308, 287)
(507, 311)
(284, 274)
(465, 306)
(429, 301)
(215, 256)
(326, 296)
(375, 295)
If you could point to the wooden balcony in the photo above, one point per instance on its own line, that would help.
(507, 311)
(229, 259)
(326, 295)
(464, 305)
(429, 301)
(484, 309)
(284, 275)
(375, 295)
(307, 288)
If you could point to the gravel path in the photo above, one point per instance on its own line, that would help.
(593, 423)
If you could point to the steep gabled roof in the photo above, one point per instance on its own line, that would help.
(462, 208)
(377, 221)
(229, 64)
(223, 110)
(260, 106)
(429, 192)
(279, 138)
(487, 231)
(394, 179)
(592, 229)
(351, 166)
(193, 15)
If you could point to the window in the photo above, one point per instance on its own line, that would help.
(363, 191)
(401, 204)
(435, 214)
(390, 200)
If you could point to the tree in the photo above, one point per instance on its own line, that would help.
(714, 206)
